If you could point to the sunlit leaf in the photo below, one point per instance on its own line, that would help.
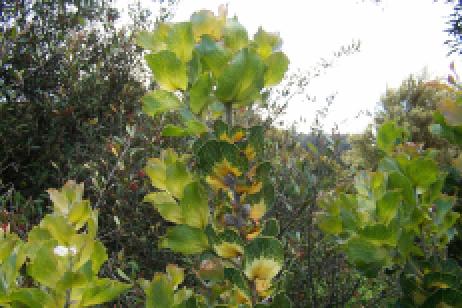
(169, 72)
(242, 79)
(180, 40)
(184, 239)
(159, 101)
(277, 65)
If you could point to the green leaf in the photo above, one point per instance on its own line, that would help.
(263, 258)
(71, 280)
(181, 41)
(379, 234)
(216, 151)
(195, 127)
(45, 267)
(367, 256)
(166, 205)
(199, 95)
(156, 171)
(171, 130)
(176, 275)
(271, 228)
(266, 43)
(156, 40)
(101, 291)
(213, 56)
(98, 257)
(79, 214)
(177, 177)
(387, 206)
(159, 293)
(185, 239)
(159, 101)
(238, 280)
(195, 67)
(242, 80)
(256, 139)
(194, 206)
(205, 23)
(7, 245)
(58, 228)
(31, 297)
(440, 280)
(388, 136)
(228, 244)
(444, 298)
(330, 224)
(169, 72)
(423, 172)
(235, 35)
(277, 65)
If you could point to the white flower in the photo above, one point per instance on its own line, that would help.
(63, 251)
(73, 250)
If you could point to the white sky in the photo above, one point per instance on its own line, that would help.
(398, 37)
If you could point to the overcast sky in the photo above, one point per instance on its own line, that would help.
(398, 37)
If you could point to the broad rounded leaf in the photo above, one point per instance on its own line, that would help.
(387, 206)
(166, 205)
(159, 101)
(388, 136)
(185, 239)
(228, 244)
(176, 274)
(199, 95)
(180, 40)
(177, 177)
(277, 65)
(171, 130)
(31, 297)
(169, 72)
(213, 152)
(101, 291)
(235, 35)
(159, 292)
(213, 57)
(266, 43)
(194, 206)
(423, 172)
(242, 80)
(263, 258)
(205, 22)
(155, 40)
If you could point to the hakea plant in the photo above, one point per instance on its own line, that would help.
(217, 195)
(398, 219)
(62, 258)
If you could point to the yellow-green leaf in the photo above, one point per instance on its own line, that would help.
(180, 40)
(159, 101)
(169, 72)
(276, 66)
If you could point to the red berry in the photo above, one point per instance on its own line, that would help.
(133, 186)
(141, 173)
